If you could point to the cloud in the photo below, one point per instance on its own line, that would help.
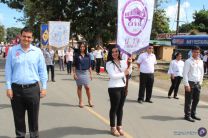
(171, 11)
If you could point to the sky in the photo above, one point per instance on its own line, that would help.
(188, 7)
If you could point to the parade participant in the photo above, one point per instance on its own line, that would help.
(92, 58)
(49, 59)
(98, 57)
(117, 70)
(69, 59)
(176, 74)
(81, 67)
(25, 67)
(61, 55)
(192, 77)
(145, 63)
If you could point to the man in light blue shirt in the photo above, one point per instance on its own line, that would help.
(25, 68)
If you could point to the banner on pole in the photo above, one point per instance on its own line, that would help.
(59, 33)
(44, 34)
(134, 24)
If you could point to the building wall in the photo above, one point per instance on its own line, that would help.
(167, 52)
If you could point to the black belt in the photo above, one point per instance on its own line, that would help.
(192, 82)
(25, 85)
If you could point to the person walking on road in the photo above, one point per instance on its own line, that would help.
(92, 58)
(25, 67)
(145, 63)
(176, 75)
(193, 73)
(81, 71)
(99, 58)
(61, 55)
(69, 59)
(49, 59)
(117, 70)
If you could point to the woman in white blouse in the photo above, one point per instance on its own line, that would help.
(176, 74)
(117, 70)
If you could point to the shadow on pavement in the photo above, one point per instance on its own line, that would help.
(2, 106)
(159, 97)
(4, 137)
(68, 79)
(59, 104)
(131, 101)
(64, 131)
(162, 118)
(199, 106)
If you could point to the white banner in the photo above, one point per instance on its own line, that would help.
(134, 24)
(59, 33)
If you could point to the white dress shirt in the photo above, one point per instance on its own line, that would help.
(147, 62)
(176, 68)
(193, 71)
(115, 75)
(205, 58)
(98, 54)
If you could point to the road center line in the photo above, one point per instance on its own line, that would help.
(103, 119)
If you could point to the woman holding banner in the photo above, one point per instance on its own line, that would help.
(81, 67)
(117, 70)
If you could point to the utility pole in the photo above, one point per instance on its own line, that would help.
(178, 17)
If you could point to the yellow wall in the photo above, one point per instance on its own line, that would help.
(167, 52)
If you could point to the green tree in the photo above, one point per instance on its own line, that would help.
(185, 28)
(94, 19)
(12, 33)
(2, 33)
(201, 20)
(160, 23)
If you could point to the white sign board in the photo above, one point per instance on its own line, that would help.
(59, 33)
(134, 24)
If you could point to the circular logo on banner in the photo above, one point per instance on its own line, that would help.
(45, 35)
(134, 17)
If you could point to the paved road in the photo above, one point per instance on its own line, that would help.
(60, 117)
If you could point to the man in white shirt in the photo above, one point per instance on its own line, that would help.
(61, 55)
(146, 62)
(205, 62)
(192, 77)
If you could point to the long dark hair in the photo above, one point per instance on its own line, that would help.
(177, 54)
(79, 52)
(110, 57)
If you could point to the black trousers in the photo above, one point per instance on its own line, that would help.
(69, 66)
(51, 67)
(192, 99)
(174, 85)
(146, 83)
(26, 99)
(98, 64)
(93, 64)
(117, 99)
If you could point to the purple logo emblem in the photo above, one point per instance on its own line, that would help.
(134, 17)
(202, 131)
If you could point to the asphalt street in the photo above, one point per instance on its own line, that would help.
(60, 116)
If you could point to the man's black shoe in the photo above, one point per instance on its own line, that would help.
(148, 101)
(53, 81)
(189, 119)
(169, 97)
(140, 101)
(175, 97)
(195, 117)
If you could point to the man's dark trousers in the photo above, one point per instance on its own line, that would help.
(146, 83)
(26, 98)
(192, 99)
